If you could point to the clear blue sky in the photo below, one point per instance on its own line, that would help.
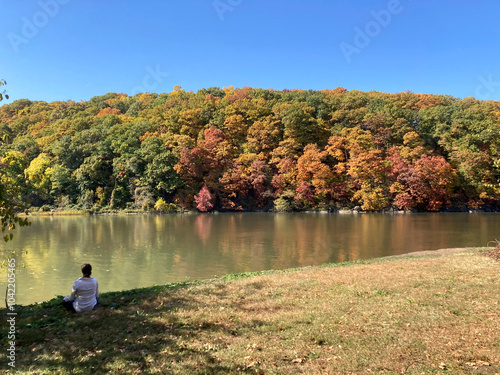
(75, 49)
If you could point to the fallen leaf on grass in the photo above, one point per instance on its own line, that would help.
(298, 360)
(252, 363)
(478, 363)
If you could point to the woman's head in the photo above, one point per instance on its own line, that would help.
(86, 269)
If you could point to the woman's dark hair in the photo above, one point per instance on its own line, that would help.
(86, 269)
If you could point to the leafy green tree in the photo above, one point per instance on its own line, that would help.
(95, 171)
(159, 170)
(282, 204)
(301, 125)
(38, 176)
(8, 209)
(14, 163)
(8, 190)
(60, 180)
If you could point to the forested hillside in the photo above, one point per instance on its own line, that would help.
(247, 149)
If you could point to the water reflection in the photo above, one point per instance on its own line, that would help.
(134, 251)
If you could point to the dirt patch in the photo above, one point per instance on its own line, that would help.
(492, 253)
(440, 251)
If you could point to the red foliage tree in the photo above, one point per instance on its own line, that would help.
(207, 162)
(204, 200)
(425, 184)
(304, 193)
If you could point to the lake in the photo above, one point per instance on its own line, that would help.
(142, 250)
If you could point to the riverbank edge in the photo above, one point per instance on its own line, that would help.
(353, 211)
(110, 299)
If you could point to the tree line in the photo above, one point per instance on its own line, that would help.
(253, 149)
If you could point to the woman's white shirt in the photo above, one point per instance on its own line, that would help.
(84, 294)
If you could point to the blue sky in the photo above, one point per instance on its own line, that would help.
(75, 49)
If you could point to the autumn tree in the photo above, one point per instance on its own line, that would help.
(204, 200)
(426, 184)
(245, 185)
(380, 125)
(364, 166)
(264, 135)
(314, 173)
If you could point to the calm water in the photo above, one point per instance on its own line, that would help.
(136, 251)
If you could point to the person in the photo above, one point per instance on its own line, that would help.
(84, 294)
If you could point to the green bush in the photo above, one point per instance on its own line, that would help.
(281, 204)
(163, 206)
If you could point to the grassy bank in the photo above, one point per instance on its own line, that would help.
(432, 314)
(101, 212)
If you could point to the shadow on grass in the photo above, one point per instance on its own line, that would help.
(131, 332)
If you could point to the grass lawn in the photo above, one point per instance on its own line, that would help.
(432, 314)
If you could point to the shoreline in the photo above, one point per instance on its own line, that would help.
(239, 275)
(192, 212)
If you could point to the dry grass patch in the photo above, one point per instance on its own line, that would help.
(407, 315)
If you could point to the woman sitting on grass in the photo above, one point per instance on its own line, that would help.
(84, 294)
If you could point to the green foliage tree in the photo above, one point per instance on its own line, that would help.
(9, 189)
(15, 163)
(38, 175)
(282, 204)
